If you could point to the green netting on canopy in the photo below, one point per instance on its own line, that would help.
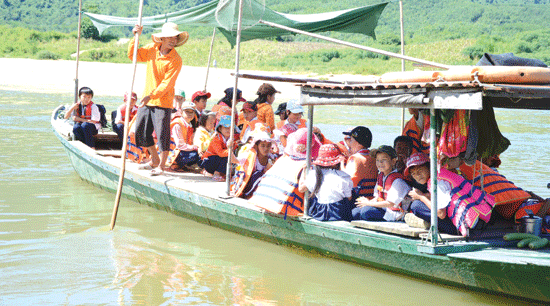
(362, 20)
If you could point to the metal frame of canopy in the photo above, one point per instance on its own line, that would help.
(421, 97)
(432, 96)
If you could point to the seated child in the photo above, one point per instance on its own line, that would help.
(294, 112)
(179, 98)
(278, 191)
(203, 134)
(281, 135)
(360, 165)
(183, 153)
(86, 117)
(118, 127)
(389, 191)
(200, 99)
(403, 146)
(250, 112)
(418, 166)
(467, 204)
(281, 111)
(330, 187)
(214, 160)
(252, 167)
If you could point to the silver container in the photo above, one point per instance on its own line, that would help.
(531, 224)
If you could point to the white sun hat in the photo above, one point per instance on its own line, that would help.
(170, 29)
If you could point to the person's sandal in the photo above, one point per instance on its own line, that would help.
(156, 172)
(147, 166)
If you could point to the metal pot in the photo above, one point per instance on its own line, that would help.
(531, 224)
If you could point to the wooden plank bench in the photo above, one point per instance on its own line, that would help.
(399, 228)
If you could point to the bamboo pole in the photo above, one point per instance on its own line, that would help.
(308, 153)
(209, 59)
(234, 104)
(434, 235)
(402, 53)
(345, 43)
(126, 119)
(78, 50)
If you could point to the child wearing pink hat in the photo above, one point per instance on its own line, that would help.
(330, 187)
(418, 167)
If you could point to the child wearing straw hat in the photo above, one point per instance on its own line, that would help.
(330, 187)
(163, 67)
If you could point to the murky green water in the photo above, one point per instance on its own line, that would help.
(55, 246)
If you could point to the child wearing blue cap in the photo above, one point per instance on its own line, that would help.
(214, 160)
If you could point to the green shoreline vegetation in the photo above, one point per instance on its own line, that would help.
(453, 32)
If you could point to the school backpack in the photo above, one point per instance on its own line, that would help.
(103, 118)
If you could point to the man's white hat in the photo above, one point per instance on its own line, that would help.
(170, 29)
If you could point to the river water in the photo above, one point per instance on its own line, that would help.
(56, 249)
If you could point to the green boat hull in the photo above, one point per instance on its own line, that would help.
(492, 269)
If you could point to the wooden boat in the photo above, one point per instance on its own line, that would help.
(487, 264)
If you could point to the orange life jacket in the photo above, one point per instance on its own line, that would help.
(302, 123)
(87, 111)
(255, 123)
(365, 174)
(244, 172)
(133, 152)
(122, 110)
(217, 146)
(508, 197)
(187, 131)
(278, 190)
(411, 129)
(384, 185)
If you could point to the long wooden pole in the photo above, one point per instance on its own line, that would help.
(78, 50)
(126, 121)
(402, 53)
(345, 43)
(234, 104)
(209, 59)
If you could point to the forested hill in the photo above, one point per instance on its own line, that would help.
(427, 20)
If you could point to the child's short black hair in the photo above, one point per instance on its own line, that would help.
(406, 139)
(85, 90)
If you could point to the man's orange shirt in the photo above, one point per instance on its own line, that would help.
(162, 73)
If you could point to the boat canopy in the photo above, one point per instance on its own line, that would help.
(362, 20)
(436, 95)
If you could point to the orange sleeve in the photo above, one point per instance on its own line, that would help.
(143, 52)
(218, 147)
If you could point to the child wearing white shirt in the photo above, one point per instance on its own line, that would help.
(330, 187)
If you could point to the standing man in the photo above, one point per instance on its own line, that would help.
(163, 67)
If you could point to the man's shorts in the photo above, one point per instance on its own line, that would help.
(157, 119)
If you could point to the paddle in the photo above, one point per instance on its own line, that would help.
(126, 119)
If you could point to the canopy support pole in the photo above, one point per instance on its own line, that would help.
(126, 120)
(78, 50)
(402, 53)
(345, 43)
(234, 104)
(434, 234)
(308, 154)
(209, 59)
